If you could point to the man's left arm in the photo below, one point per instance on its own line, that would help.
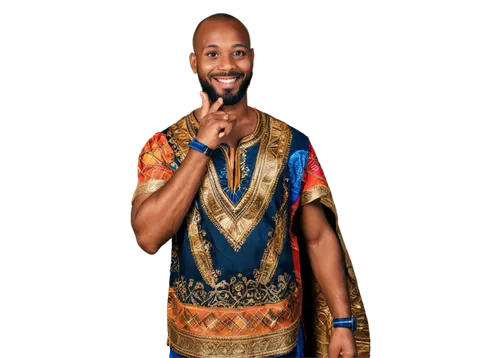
(327, 263)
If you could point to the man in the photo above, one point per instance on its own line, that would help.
(259, 267)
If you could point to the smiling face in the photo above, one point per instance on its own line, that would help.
(223, 59)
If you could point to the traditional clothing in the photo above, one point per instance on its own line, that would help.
(241, 284)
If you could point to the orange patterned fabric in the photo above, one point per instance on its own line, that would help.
(154, 159)
(226, 322)
(154, 165)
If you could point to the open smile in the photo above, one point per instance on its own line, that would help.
(227, 81)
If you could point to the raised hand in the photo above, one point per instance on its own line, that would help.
(214, 124)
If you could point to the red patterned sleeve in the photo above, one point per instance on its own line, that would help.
(314, 184)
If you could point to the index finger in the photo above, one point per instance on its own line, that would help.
(205, 105)
(216, 105)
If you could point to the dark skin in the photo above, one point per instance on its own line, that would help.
(223, 46)
(325, 254)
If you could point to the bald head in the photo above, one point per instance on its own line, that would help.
(212, 21)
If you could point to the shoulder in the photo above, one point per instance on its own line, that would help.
(160, 142)
(181, 123)
(299, 140)
(285, 125)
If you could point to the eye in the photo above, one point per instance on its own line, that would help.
(212, 54)
(240, 53)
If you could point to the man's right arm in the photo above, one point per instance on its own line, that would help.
(157, 216)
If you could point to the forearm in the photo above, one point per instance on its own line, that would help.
(328, 266)
(159, 217)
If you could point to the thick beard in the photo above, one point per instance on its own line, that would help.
(229, 99)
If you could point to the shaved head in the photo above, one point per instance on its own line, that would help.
(212, 20)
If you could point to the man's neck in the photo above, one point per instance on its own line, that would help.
(240, 110)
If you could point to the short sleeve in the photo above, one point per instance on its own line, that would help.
(314, 184)
(156, 165)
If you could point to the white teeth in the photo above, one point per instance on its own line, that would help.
(226, 80)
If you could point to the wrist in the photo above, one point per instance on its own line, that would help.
(200, 147)
(341, 313)
(345, 322)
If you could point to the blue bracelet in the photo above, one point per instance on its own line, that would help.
(349, 322)
(200, 147)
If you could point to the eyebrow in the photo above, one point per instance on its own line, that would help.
(235, 45)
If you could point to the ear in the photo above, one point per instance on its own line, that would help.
(252, 54)
(192, 62)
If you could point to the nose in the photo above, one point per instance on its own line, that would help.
(227, 63)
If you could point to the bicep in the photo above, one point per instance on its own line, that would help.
(313, 221)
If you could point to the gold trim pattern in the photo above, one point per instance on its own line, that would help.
(200, 248)
(257, 347)
(270, 259)
(243, 168)
(323, 326)
(257, 331)
(316, 192)
(147, 187)
(236, 222)
(240, 291)
(179, 137)
(174, 259)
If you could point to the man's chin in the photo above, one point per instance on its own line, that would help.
(230, 96)
(231, 101)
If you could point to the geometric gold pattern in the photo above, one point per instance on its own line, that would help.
(255, 331)
(236, 221)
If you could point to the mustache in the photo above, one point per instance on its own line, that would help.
(228, 74)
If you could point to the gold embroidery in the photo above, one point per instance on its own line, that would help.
(238, 292)
(315, 192)
(149, 186)
(275, 245)
(236, 222)
(244, 169)
(179, 137)
(323, 316)
(275, 139)
(203, 259)
(232, 169)
(200, 247)
(174, 261)
(257, 331)
(323, 327)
